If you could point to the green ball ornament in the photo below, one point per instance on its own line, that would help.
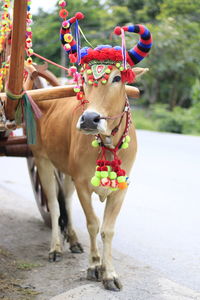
(113, 189)
(124, 145)
(107, 71)
(89, 72)
(127, 139)
(95, 181)
(104, 81)
(95, 144)
(121, 179)
(104, 174)
(77, 90)
(90, 82)
(121, 69)
(118, 65)
(109, 168)
(113, 175)
(98, 174)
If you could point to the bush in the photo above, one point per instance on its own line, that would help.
(158, 118)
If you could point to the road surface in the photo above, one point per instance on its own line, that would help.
(159, 224)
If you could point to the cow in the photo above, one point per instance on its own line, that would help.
(64, 137)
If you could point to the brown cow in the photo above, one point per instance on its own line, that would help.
(64, 139)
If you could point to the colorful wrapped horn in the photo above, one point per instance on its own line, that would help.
(67, 40)
(144, 45)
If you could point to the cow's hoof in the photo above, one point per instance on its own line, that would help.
(112, 284)
(94, 274)
(55, 256)
(76, 248)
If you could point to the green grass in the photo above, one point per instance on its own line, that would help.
(158, 118)
(143, 120)
(26, 266)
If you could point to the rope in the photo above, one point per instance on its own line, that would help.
(50, 61)
(12, 96)
(81, 31)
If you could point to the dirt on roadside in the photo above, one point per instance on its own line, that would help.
(25, 272)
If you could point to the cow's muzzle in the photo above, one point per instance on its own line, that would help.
(90, 122)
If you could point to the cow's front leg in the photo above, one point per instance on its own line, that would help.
(46, 173)
(113, 205)
(94, 270)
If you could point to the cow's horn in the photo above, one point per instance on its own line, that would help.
(142, 48)
(67, 40)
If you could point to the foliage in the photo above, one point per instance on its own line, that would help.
(158, 118)
(172, 85)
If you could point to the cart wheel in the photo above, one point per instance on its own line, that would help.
(39, 194)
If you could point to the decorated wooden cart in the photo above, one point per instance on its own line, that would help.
(20, 78)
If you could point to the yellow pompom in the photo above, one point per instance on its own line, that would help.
(68, 38)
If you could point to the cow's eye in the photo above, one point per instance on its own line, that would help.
(116, 79)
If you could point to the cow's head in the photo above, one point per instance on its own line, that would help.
(105, 71)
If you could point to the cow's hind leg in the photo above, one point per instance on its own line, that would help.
(46, 173)
(69, 188)
(94, 270)
(113, 205)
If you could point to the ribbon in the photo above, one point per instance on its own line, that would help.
(123, 48)
(78, 42)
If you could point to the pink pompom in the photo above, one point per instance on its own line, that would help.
(117, 30)
(79, 16)
(62, 3)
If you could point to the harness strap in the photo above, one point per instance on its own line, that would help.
(115, 130)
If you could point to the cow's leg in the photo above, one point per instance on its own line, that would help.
(94, 270)
(69, 188)
(46, 173)
(113, 205)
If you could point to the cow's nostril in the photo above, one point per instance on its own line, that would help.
(82, 118)
(97, 119)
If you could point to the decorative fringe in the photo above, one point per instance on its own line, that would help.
(26, 111)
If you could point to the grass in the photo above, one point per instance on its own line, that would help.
(143, 120)
(26, 266)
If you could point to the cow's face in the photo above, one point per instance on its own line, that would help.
(105, 99)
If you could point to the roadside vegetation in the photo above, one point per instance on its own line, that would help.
(171, 88)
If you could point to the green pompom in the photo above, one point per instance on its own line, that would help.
(76, 89)
(127, 139)
(108, 71)
(114, 189)
(121, 69)
(95, 181)
(113, 175)
(124, 145)
(98, 174)
(104, 81)
(104, 174)
(89, 71)
(121, 179)
(118, 65)
(109, 168)
(95, 143)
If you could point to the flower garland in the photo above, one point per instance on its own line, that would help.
(5, 29)
(28, 45)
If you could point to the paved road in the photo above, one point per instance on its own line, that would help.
(159, 224)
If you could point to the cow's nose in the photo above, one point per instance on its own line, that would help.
(89, 120)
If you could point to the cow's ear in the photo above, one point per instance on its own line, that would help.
(140, 71)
